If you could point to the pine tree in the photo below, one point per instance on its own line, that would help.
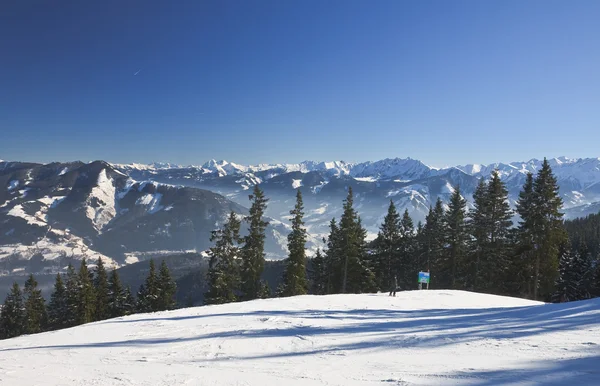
(12, 315)
(130, 304)
(116, 296)
(252, 253)
(36, 318)
(294, 277)
(101, 290)
(333, 262)
(223, 272)
(478, 224)
(433, 242)
(318, 274)
(58, 310)
(356, 275)
(166, 288)
(86, 302)
(525, 238)
(408, 266)
(566, 284)
(548, 232)
(450, 273)
(147, 299)
(72, 297)
(387, 250)
(490, 229)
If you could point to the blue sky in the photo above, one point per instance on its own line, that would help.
(446, 82)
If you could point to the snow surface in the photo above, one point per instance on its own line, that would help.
(17, 211)
(104, 209)
(296, 184)
(152, 201)
(416, 338)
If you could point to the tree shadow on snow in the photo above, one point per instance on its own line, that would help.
(385, 329)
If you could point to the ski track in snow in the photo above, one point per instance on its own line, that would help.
(416, 338)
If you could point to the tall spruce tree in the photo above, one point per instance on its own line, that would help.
(101, 289)
(166, 288)
(318, 277)
(253, 251)
(116, 296)
(58, 310)
(490, 229)
(147, 299)
(72, 295)
(12, 315)
(567, 281)
(294, 277)
(387, 250)
(223, 271)
(433, 243)
(36, 318)
(478, 224)
(525, 256)
(408, 264)
(333, 260)
(356, 275)
(548, 232)
(86, 302)
(451, 274)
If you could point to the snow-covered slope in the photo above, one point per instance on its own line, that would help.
(417, 338)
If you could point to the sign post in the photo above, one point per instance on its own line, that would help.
(423, 278)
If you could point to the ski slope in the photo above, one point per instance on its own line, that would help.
(416, 338)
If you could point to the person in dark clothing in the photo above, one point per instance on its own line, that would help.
(394, 286)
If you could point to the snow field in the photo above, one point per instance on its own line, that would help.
(417, 338)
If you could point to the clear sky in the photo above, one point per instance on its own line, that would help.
(252, 81)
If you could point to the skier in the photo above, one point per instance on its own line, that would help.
(394, 286)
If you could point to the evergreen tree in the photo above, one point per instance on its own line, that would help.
(566, 284)
(166, 288)
(86, 302)
(58, 310)
(130, 304)
(409, 268)
(72, 297)
(525, 238)
(450, 266)
(36, 318)
(318, 274)
(387, 250)
(490, 229)
(12, 315)
(356, 275)
(147, 299)
(223, 272)
(433, 242)
(101, 289)
(116, 296)
(294, 276)
(479, 225)
(252, 253)
(333, 266)
(548, 232)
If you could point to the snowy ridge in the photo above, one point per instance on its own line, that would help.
(418, 338)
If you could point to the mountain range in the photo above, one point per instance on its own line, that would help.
(51, 214)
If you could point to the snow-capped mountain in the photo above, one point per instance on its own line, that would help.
(411, 184)
(52, 213)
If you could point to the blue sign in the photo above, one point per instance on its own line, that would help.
(424, 277)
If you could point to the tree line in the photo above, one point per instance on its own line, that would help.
(83, 296)
(477, 249)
